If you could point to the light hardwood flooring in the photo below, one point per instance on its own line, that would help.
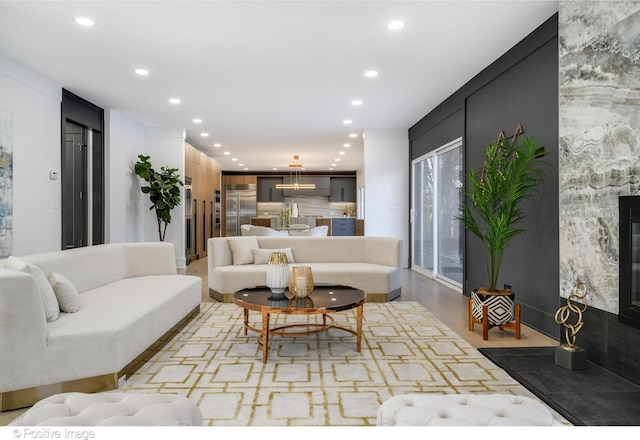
(446, 304)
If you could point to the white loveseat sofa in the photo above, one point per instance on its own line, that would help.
(371, 264)
(130, 299)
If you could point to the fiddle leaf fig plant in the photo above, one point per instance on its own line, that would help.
(163, 189)
(492, 208)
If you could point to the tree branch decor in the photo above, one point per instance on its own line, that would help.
(163, 190)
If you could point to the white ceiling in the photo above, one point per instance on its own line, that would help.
(269, 79)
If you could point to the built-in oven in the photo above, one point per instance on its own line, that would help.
(217, 208)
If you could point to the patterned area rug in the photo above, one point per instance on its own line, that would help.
(320, 379)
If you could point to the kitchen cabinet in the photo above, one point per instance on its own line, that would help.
(267, 191)
(261, 221)
(343, 226)
(343, 189)
(324, 222)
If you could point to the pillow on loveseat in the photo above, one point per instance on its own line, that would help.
(66, 293)
(51, 308)
(261, 256)
(241, 249)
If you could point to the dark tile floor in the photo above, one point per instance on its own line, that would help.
(592, 396)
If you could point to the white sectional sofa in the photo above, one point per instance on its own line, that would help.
(371, 264)
(130, 300)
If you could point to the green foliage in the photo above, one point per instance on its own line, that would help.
(509, 175)
(163, 190)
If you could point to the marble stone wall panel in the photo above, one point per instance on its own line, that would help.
(599, 126)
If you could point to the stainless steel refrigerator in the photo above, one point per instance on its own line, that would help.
(240, 206)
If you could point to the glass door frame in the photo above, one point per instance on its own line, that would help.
(434, 273)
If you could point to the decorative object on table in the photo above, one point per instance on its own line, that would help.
(285, 219)
(277, 275)
(293, 209)
(301, 281)
(510, 173)
(163, 190)
(569, 355)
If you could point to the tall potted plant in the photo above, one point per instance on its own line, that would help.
(492, 210)
(163, 190)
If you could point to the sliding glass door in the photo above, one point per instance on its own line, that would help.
(436, 197)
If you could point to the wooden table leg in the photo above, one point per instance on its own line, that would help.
(358, 327)
(246, 321)
(265, 335)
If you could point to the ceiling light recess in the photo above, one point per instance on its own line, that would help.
(84, 21)
(141, 72)
(294, 174)
(371, 73)
(395, 25)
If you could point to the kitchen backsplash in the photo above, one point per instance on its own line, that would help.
(308, 206)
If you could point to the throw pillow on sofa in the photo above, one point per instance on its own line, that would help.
(66, 293)
(51, 308)
(241, 249)
(261, 256)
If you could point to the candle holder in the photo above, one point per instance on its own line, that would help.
(277, 275)
(301, 281)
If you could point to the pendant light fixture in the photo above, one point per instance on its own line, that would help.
(294, 176)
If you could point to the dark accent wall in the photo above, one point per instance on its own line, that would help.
(521, 87)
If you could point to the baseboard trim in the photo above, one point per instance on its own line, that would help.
(10, 400)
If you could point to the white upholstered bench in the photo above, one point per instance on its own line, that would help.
(464, 409)
(112, 409)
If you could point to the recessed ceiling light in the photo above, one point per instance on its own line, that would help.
(240, 164)
(395, 25)
(141, 72)
(197, 121)
(333, 164)
(217, 145)
(246, 169)
(371, 73)
(342, 152)
(174, 101)
(352, 135)
(84, 21)
(204, 134)
(330, 169)
(347, 122)
(274, 169)
(234, 159)
(337, 159)
(346, 145)
(356, 102)
(227, 153)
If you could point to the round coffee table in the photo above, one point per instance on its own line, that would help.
(324, 300)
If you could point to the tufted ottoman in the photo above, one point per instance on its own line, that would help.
(111, 409)
(463, 409)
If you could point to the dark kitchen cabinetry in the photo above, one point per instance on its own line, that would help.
(267, 191)
(343, 226)
(343, 189)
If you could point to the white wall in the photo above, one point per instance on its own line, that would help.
(125, 216)
(34, 102)
(386, 184)
(166, 148)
